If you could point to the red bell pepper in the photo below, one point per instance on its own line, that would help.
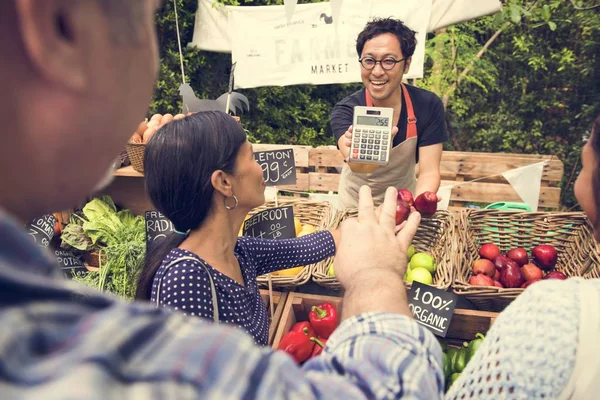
(298, 345)
(324, 319)
(319, 345)
(299, 327)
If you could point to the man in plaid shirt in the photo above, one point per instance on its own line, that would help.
(76, 78)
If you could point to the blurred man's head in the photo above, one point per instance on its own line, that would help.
(76, 77)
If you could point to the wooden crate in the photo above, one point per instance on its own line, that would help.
(457, 167)
(296, 309)
(318, 170)
(279, 300)
(464, 326)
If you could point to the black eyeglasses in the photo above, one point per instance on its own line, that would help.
(387, 63)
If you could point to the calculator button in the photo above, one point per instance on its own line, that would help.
(362, 156)
(369, 152)
(385, 142)
(363, 146)
(369, 158)
(371, 141)
(382, 157)
(357, 130)
(370, 147)
(371, 136)
(372, 131)
(377, 131)
(377, 141)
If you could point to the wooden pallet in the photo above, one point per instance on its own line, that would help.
(318, 170)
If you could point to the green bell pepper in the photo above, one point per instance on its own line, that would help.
(474, 345)
(451, 353)
(460, 360)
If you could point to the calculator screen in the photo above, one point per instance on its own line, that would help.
(375, 121)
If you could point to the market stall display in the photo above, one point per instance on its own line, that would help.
(432, 246)
(500, 253)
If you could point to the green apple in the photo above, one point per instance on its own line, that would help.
(420, 275)
(423, 260)
(410, 252)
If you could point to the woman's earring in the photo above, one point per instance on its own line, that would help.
(230, 207)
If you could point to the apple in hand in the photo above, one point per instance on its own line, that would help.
(518, 255)
(544, 256)
(489, 251)
(402, 211)
(483, 266)
(511, 276)
(555, 275)
(481, 280)
(426, 204)
(531, 272)
(406, 195)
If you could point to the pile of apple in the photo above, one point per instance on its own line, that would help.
(425, 204)
(514, 269)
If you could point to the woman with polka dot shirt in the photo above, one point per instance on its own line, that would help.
(201, 174)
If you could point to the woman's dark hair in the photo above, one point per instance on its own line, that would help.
(595, 142)
(379, 26)
(178, 163)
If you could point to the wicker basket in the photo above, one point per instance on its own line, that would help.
(569, 233)
(434, 236)
(135, 152)
(316, 213)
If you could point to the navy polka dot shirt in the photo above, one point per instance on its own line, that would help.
(186, 287)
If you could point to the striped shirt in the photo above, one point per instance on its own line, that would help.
(63, 341)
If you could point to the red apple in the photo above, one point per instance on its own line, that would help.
(511, 276)
(531, 272)
(489, 251)
(498, 284)
(481, 280)
(555, 275)
(518, 255)
(426, 204)
(531, 282)
(406, 195)
(544, 256)
(483, 266)
(497, 275)
(402, 211)
(500, 262)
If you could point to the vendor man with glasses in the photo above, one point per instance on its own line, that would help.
(385, 48)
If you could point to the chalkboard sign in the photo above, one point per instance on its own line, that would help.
(158, 227)
(69, 263)
(278, 166)
(432, 307)
(272, 223)
(41, 230)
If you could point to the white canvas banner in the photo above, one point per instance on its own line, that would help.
(336, 9)
(270, 52)
(211, 29)
(290, 7)
(449, 12)
(444, 192)
(527, 182)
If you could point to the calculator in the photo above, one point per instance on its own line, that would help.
(371, 135)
